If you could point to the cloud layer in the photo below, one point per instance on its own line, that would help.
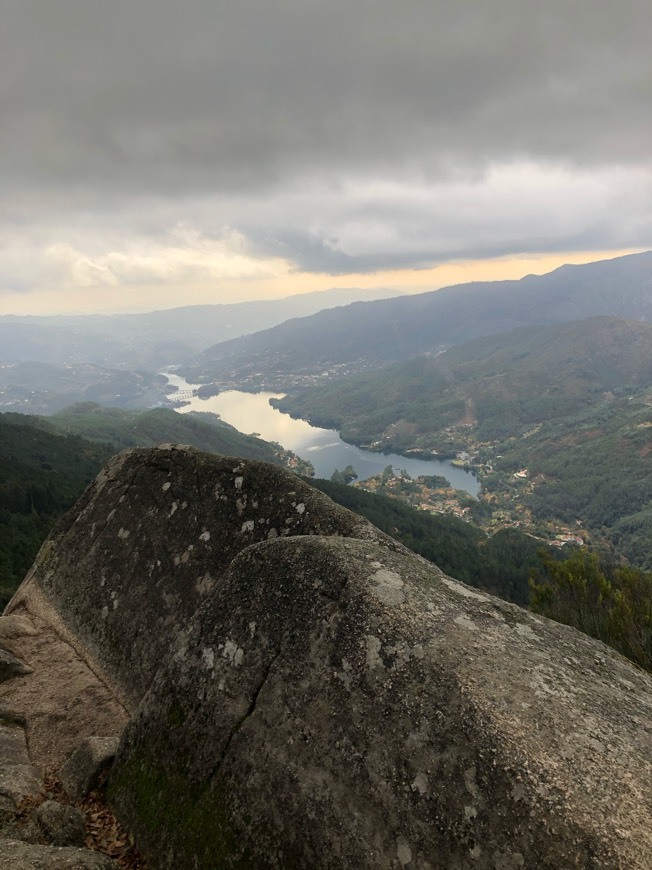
(339, 137)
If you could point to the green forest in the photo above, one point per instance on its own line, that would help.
(610, 602)
(570, 404)
(41, 476)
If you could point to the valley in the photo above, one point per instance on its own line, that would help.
(554, 421)
(541, 432)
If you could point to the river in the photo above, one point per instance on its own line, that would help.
(252, 413)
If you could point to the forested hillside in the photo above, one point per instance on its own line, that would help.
(147, 428)
(41, 476)
(555, 420)
(500, 385)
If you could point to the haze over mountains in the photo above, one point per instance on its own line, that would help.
(370, 334)
(156, 338)
(48, 363)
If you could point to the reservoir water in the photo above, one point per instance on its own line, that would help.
(252, 413)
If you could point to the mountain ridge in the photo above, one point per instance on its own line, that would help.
(374, 333)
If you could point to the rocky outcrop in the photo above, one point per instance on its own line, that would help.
(82, 770)
(306, 693)
(150, 538)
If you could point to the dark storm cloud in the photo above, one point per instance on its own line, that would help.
(108, 106)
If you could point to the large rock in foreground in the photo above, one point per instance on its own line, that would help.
(329, 699)
(150, 539)
(338, 705)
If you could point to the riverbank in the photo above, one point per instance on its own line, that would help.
(322, 447)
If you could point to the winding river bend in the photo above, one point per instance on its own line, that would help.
(252, 413)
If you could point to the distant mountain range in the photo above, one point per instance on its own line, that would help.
(366, 334)
(157, 338)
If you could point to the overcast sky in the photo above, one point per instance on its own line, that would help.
(157, 153)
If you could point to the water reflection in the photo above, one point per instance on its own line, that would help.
(252, 413)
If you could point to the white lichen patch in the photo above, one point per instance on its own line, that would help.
(208, 657)
(166, 486)
(389, 586)
(373, 649)
(271, 534)
(300, 508)
(252, 628)
(526, 631)
(238, 483)
(403, 852)
(204, 584)
(420, 783)
(247, 526)
(205, 536)
(123, 534)
(470, 781)
(345, 674)
(104, 611)
(174, 508)
(463, 591)
(233, 653)
(465, 622)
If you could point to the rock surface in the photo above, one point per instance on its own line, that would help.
(11, 667)
(62, 825)
(81, 771)
(306, 693)
(67, 696)
(339, 705)
(15, 855)
(18, 777)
